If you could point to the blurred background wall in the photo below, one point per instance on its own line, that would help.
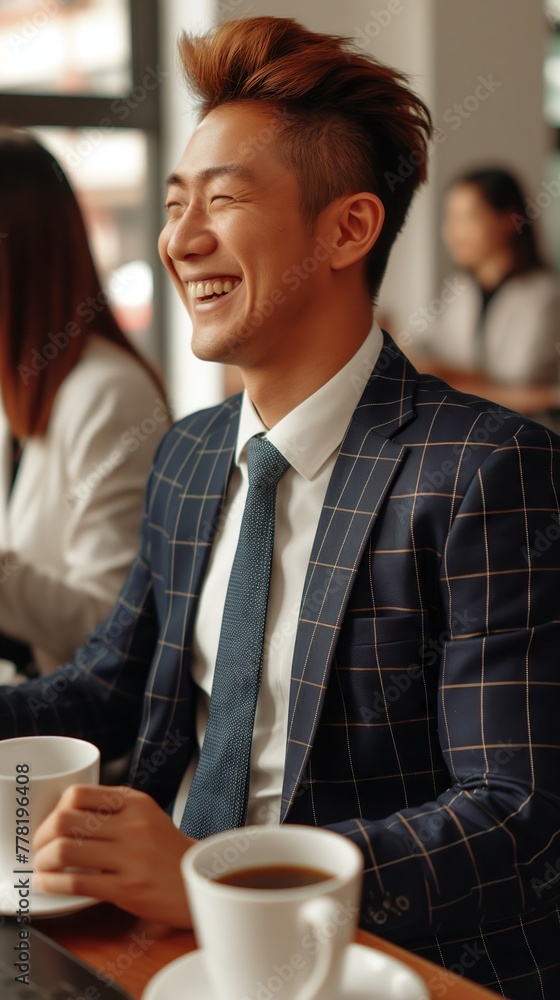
(101, 81)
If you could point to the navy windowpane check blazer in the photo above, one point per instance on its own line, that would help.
(425, 690)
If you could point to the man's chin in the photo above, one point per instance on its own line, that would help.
(224, 348)
(205, 352)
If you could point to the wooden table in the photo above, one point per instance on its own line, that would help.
(131, 951)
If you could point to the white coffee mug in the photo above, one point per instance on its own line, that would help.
(290, 941)
(34, 772)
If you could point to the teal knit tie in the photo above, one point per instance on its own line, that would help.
(219, 792)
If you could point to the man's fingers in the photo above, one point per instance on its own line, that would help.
(76, 823)
(100, 886)
(65, 852)
(105, 798)
(101, 801)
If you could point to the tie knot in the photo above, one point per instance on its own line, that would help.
(265, 463)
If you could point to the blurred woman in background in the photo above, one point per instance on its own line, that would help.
(503, 327)
(81, 413)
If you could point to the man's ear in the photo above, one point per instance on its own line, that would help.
(355, 227)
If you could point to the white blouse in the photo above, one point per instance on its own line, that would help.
(521, 328)
(69, 529)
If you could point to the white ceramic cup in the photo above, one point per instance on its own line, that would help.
(261, 942)
(34, 772)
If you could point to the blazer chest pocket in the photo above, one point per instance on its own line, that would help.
(379, 664)
(384, 641)
(369, 630)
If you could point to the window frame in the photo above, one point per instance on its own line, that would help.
(31, 110)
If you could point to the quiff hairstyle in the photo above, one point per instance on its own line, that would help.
(347, 123)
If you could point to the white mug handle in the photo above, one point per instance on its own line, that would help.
(316, 913)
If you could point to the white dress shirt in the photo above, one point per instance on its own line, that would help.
(309, 437)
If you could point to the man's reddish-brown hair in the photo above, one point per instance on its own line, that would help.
(347, 123)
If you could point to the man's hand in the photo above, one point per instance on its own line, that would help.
(126, 843)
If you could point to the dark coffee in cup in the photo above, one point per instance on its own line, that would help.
(274, 877)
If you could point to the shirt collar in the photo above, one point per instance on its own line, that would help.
(309, 434)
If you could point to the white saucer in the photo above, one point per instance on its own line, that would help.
(49, 904)
(368, 975)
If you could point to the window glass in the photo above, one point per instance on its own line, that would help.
(552, 80)
(65, 46)
(109, 173)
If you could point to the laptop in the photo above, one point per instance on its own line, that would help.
(37, 968)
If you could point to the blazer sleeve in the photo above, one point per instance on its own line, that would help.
(483, 849)
(107, 427)
(99, 696)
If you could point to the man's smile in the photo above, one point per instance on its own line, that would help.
(212, 291)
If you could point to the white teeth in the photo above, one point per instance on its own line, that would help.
(202, 289)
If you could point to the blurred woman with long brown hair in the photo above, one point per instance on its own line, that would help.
(81, 413)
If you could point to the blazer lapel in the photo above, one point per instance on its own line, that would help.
(366, 464)
(200, 506)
